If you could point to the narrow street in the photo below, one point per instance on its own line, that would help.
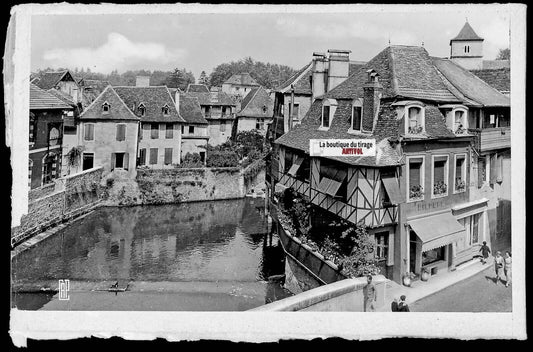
(478, 293)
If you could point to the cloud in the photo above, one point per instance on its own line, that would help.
(354, 29)
(118, 52)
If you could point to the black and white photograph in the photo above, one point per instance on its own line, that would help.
(245, 161)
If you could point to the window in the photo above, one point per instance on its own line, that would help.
(432, 256)
(168, 156)
(481, 171)
(88, 132)
(260, 124)
(440, 176)
(415, 120)
(30, 169)
(50, 168)
(182, 129)
(141, 109)
(222, 126)
(169, 133)
(356, 118)
(459, 121)
(416, 178)
(33, 127)
(191, 129)
(119, 160)
(153, 156)
(106, 107)
(460, 173)
(333, 180)
(288, 160)
(54, 137)
(304, 170)
(165, 109)
(382, 245)
(325, 116)
(207, 111)
(155, 131)
(142, 156)
(87, 161)
(295, 112)
(265, 110)
(121, 132)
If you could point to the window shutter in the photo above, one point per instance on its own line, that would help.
(113, 160)
(168, 156)
(493, 168)
(170, 131)
(121, 132)
(499, 166)
(414, 174)
(438, 173)
(153, 156)
(142, 157)
(480, 171)
(126, 161)
(390, 257)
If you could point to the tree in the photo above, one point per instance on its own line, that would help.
(203, 79)
(504, 54)
(180, 79)
(361, 260)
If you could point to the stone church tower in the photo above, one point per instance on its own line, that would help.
(467, 49)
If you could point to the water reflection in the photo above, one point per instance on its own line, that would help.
(204, 242)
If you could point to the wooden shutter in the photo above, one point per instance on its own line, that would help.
(493, 168)
(153, 156)
(168, 156)
(390, 256)
(459, 167)
(499, 166)
(170, 131)
(155, 131)
(142, 156)
(113, 160)
(121, 132)
(480, 171)
(126, 161)
(438, 171)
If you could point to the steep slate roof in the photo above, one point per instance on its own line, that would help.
(118, 109)
(205, 98)
(302, 78)
(470, 85)
(48, 80)
(198, 88)
(404, 72)
(253, 103)
(63, 96)
(467, 33)
(153, 98)
(190, 111)
(243, 78)
(497, 78)
(43, 100)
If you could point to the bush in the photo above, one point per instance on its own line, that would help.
(222, 159)
(191, 160)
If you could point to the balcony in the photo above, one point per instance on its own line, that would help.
(492, 138)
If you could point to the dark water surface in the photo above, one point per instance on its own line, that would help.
(198, 256)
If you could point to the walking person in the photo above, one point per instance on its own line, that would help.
(498, 266)
(394, 305)
(507, 268)
(485, 251)
(403, 306)
(369, 292)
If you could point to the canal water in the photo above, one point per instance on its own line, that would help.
(205, 256)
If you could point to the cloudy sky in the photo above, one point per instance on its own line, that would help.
(201, 41)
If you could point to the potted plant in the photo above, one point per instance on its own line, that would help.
(439, 188)
(425, 275)
(416, 192)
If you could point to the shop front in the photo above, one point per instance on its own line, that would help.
(473, 217)
(431, 241)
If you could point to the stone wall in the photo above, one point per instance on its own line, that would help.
(70, 196)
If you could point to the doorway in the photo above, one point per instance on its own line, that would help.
(88, 161)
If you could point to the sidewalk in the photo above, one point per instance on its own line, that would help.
(420, 289)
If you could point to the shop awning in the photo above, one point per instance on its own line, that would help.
(393, 189)
(437, 230)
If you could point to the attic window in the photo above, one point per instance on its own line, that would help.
(165, 110)
(141, 109)
(328, 111)
(105, 107)
(414, 119)
(264, 109)
(460, 121)
(357, 116)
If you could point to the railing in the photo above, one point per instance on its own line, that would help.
(300, 186)
(492, 138)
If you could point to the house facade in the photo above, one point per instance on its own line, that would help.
(194, 131)
(218, 108)
(60, 80)
(108, 132)
(45, 136)
(239, 85)
(160, 134)
(256, 111)
(414, 195)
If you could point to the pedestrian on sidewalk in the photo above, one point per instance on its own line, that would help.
(402, 306)
(394, 305)
(498, 266)
(485, 250)
(369, 292)
(507, 268)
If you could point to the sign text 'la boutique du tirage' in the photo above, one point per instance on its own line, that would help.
(342, 147)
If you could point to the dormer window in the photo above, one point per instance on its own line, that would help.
(328, 110)
(165, 110)
(141, 109)
(460, 121)
(415, 119)
(264, 109)
(357, 116)
(106, 107)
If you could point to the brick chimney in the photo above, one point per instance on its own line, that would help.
(339, 67)
(142, 81)
(319, 76)
(177, 100)
(371, 98)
